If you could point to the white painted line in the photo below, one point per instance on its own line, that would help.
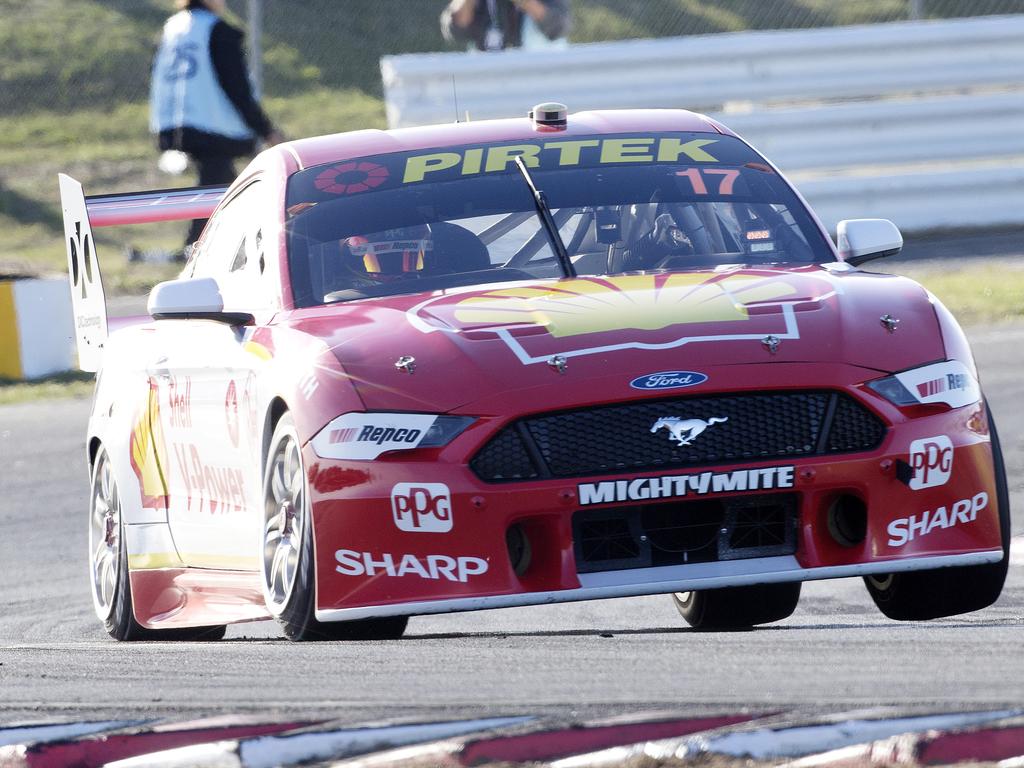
(270, 751)
(33, 734)
(898, 750)
(222, 754)
(431, 753)
(605, 757)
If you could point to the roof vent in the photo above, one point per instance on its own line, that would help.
(550, 116)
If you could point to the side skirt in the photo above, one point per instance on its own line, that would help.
(195, 597)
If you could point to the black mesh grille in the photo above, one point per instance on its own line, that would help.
(854, 428)
(724, 429)
(504, 458)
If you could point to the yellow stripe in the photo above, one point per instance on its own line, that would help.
(10, 354)
(255, 348)
(157, 560)
(154, 561)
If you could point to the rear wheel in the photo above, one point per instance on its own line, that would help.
(108, 560)
(738, 607)
(920, 595)
(288, 561)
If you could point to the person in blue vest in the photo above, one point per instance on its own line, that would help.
(201, 100)
(493, 25)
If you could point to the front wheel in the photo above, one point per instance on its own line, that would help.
(933, 594)
(288, 562)
(738, 607)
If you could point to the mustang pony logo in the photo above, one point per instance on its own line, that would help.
(685, 431)
(596, 315)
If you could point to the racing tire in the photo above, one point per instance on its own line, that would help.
(934, 594)
(108, 550)
(288, 555)
(738, 607)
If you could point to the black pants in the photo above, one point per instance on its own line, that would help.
(213, 169)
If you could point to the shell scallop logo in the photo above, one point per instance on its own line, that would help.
(350, 178)
(595, 315)
(601, 305)
(147, 450)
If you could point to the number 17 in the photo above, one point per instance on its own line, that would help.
(696, 177)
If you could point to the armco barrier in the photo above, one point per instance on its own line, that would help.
(920, 122)
(35, 328)
(921, 199)
(708, 71)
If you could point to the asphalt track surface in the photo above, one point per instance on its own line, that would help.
(579, 660)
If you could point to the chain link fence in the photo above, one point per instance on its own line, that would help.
(59, 55)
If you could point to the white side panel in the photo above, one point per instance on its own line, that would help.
(150, 546)
(117, 420)
(206, 411)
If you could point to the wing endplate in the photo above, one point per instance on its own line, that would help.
(87, 299)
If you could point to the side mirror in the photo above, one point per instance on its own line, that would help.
(862, 240)
(196, 298)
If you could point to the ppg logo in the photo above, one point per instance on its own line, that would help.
(932, 460)
(422, 507)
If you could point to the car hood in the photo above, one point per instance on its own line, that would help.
(471, 345)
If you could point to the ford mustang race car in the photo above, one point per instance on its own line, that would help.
(524, 361)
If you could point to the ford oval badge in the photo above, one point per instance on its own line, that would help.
(668, 380)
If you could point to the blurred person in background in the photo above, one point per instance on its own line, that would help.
(201, 100)
(492, 25)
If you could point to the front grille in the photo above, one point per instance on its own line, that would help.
(622, 438)
(685, 532)
(504, 458)
(853, 427)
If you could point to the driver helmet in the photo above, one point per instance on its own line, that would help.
(389, 255)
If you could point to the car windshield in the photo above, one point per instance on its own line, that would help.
(428, 220)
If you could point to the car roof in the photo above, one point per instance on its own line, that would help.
(306, 153)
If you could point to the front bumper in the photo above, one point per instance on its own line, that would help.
(398, 536)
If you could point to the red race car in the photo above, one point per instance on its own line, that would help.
(524, 361)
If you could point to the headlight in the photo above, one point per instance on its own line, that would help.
(949, 383)
(444, 430)
(891, 389)
(368, 435)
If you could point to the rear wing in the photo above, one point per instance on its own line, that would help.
(81, 214)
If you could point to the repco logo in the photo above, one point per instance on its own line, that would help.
(932, 461)
(422, 507)
(374, 434)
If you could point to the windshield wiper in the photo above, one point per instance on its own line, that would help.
(544, 213)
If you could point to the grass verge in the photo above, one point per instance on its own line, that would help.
(63, 385)
(981, 293)
(113, 152)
